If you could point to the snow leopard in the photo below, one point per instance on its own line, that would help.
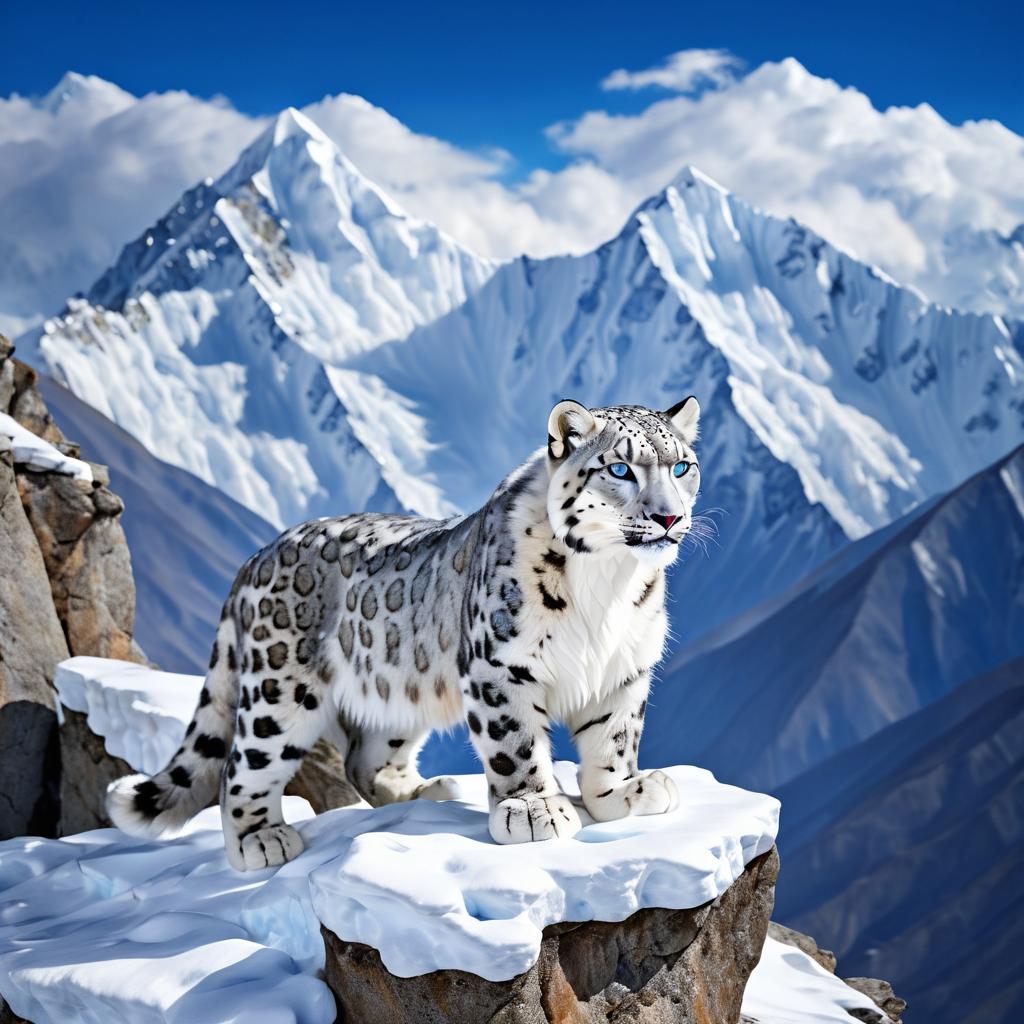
(545, 606)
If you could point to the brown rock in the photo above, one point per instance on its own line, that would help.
(86, 555)
(805, 943)
(31, 644)
(880, 992)
(65, 588)
(86, 771)
(25, 403)
(683, 966)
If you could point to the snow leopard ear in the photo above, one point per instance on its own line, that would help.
(569, 425)
(685, 417)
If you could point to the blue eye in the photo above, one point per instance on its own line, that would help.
(620, 470)
(681, 468)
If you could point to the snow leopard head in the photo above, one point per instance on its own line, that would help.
(624, 476)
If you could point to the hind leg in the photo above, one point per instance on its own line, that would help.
(277, 723)
(382, 766)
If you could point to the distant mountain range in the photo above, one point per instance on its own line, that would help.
(882, 700)
(293, 338)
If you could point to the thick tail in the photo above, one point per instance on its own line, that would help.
(146, 806)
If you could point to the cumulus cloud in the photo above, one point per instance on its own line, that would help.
(87, 168)
(683, 71)
(90, 166)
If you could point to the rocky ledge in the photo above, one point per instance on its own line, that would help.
(656, 966)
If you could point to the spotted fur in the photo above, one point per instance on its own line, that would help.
(546, 605)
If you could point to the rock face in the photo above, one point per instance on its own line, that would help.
(86, 770)
(683, 966)
(31, 644)
(65, 588)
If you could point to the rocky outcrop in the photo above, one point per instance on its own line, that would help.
(683, 966)
(65, 588)
(87, 769)
(880, 992)
(31, 644)
(825, 957)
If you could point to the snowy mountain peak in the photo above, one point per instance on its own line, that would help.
(689, 177)
(229, 314)
(290, 122)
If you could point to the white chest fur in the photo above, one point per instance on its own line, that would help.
(606, 632)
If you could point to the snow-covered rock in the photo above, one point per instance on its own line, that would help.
(140, 713)
(788, 987)
(208, 339)
(100, 926)
(35, 453)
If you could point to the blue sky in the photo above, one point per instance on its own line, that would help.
(497, 74)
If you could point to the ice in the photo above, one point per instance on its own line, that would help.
(34, 452)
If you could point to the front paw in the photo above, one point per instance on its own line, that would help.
(650, 792)
(270, 847)
(529, 819)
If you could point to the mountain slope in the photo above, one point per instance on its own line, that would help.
(876, 398)
(223, 315)
(187, 539)
(903, 853)
(892, 624)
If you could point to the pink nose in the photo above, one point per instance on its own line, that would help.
(665, 521)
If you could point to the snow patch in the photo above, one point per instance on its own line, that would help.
(34, 452)
(788, 987)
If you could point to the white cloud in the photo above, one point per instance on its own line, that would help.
(683, 71)
(88, 168)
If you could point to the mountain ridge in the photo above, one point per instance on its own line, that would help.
(293, 270)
